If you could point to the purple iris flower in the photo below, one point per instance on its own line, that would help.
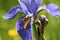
(29, 8)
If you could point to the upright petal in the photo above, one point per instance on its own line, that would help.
(39, 1)
(24, 33)
(34, 5)
(12, 12)
(24, 8)
(27, 2)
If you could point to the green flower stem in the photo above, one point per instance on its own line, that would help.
(35, 32)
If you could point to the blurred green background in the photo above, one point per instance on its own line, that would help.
(8, 27)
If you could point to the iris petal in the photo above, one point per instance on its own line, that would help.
(55, 13)
(24, 33)
(53, 10)
(12, 12)
(38, 1)
(26, 1)
(32, 5)
(52, 7)
(24, 8)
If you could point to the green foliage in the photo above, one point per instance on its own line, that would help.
(52, 30)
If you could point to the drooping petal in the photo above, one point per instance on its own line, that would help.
(24, 8)
(55, 13)
(53, 10)
(24, 33)
(12, 12)
(52, 7)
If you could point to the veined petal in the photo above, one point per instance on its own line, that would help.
(55, 13)
(24, 33)
(53, 10)
(12, 12)
(52, 7)
(26, 1)
(32, 5)
(24, 8)
(38, 1)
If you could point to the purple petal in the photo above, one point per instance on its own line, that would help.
(24, 8)
(53, 10)
(55, 13)
(26, 1)
(12, 12)
(24, 33)
(32, 4)
(52, 7)
(33, 7)
(38, 1)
